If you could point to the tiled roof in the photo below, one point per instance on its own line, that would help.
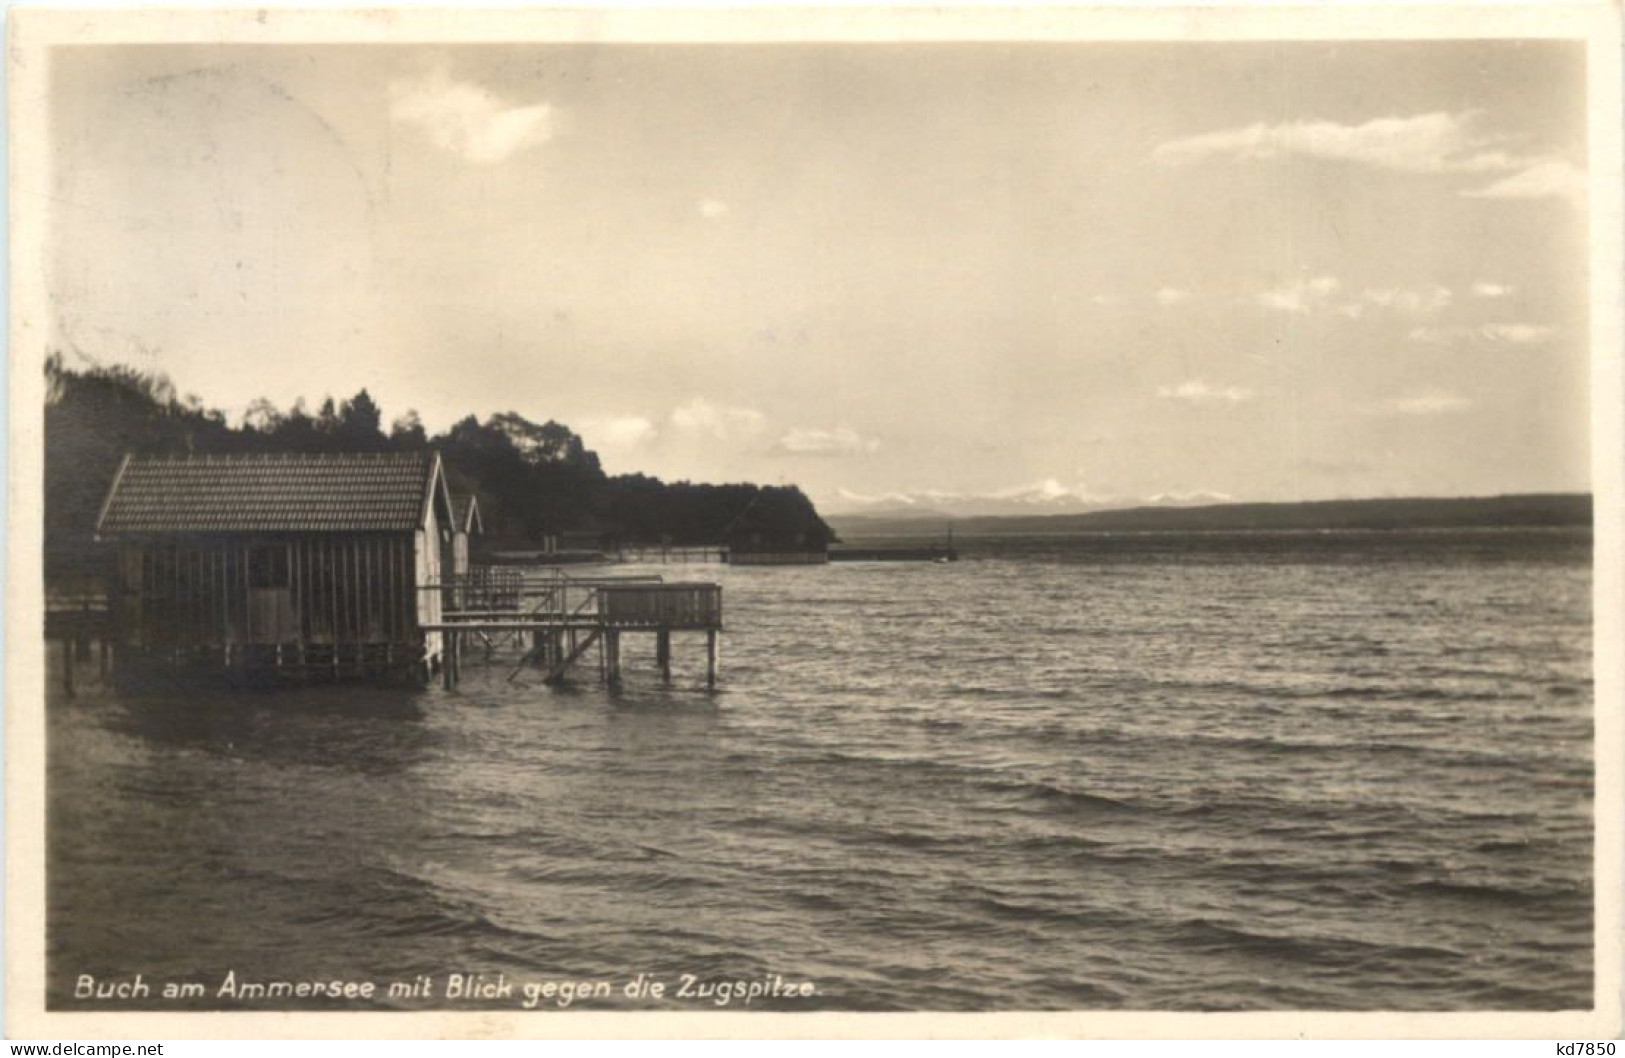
(350, 492)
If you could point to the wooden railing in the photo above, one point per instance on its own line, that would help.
(82, 616)
(487, 592)
(487, 589)
(672, 555)
(660, 605)
(483, 588)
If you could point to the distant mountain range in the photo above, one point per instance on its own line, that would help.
(1529, 509)
(1040, 498)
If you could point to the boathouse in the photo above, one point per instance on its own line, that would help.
(465, 523)
(301, 565)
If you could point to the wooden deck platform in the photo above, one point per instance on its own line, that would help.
(557, 620)
(77, 620)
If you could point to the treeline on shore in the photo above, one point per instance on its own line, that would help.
(531, 479)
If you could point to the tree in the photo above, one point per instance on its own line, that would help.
(531, 478)
(407, 431)
(327, 419)
(359, 422)
(262, 417)
(548, 443)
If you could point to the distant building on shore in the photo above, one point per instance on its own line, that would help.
(302, 565)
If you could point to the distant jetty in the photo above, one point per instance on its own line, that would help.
(932, 553)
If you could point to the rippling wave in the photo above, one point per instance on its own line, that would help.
(1280, 771)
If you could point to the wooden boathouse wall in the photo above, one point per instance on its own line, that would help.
(308, 564)
(429, 568)
(316, 589)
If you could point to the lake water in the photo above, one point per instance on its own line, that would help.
(1283, 771)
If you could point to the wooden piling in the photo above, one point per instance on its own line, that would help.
(711, 647)
(612, 648)
(663, 653)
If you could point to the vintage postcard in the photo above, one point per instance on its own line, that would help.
(1094, 521)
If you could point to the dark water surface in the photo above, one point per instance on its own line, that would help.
(1336, 771)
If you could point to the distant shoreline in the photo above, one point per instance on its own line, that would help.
(1523, 511)
(1075, 534)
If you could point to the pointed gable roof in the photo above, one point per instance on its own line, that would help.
(465, 513)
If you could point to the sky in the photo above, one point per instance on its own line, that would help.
(990, 275)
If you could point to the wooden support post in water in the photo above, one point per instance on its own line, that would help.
(711, 658)
(613, 649)
(663, 653)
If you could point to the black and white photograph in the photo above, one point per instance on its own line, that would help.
(573, 515)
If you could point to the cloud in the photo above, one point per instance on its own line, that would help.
(1486, 289)
(1540, 178)
(1516, 333)
(711, 208)
(1425, 143)
(1433, 403)
(1172, 295)
(468, 120)
(724, 423)
(1198, 392)
(841, 441)
(1494, 333)
(631, 431)
(1415, 301)
(1438, 142)
(1301, 295)
(1320, 293)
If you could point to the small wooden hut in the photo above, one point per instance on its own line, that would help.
(302, 565)
(465, 523)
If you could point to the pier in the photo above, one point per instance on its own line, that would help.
(557, 622)
(929, 553)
